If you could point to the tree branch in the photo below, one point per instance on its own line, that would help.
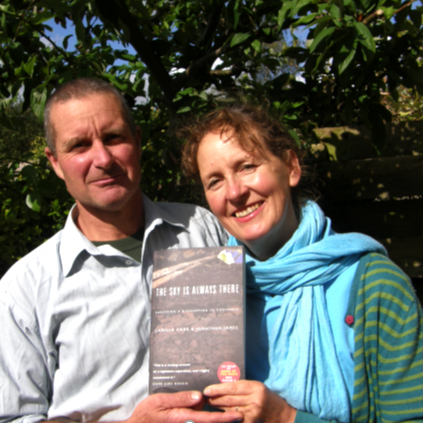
(379, 13)
(142, 46)
(231, 71)
(212, 24)
(197, 66)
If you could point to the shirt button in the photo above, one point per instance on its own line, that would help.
(128, 262)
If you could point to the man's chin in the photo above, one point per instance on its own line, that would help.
(108, 205)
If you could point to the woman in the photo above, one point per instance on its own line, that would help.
(334, 327)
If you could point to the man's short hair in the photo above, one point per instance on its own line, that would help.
(78, 89)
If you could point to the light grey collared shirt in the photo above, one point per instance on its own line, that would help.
(75, 320)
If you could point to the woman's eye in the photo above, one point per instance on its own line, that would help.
(212, 183)
(248, 166)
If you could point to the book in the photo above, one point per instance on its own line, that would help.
(197, 318)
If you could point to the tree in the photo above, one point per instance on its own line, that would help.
(33, 204)
(355, 49)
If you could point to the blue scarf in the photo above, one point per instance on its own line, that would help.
(304, 367)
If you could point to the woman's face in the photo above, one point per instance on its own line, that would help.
(250, 195)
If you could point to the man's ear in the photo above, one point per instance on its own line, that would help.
(294, 169)
(54, 162)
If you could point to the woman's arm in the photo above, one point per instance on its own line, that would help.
(388, 330)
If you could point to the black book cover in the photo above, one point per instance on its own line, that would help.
(197, 318)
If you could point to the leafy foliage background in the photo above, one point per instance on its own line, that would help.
(355, 54)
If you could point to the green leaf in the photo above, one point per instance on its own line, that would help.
(236, 14)
(335, 11)
(305, 20)
(320, 37)
(367, 3)
(346, 62)
(295, 136)
(256, 44)
(203, 95)
(79, 30)
(365, 36)
(184, 109)
(388, 12)
(30, 174)
(65, 41)
(190, 91)
(239, 38)
(33, 202)
(3, 21)
(42, 17)
(233, 13)
(129, 57)
(29, 66)
(38, 102)
(286, 6)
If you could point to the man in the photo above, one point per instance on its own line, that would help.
(75, 313)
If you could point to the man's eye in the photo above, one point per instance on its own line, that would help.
(78, 145)
(112, 137)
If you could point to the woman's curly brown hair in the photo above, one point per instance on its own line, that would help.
(256, 132)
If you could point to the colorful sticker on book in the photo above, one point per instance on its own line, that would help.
(228, 372)
(230, 257)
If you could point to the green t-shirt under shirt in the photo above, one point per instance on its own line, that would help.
(131, 245)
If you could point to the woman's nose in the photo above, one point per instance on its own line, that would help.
(236, 190)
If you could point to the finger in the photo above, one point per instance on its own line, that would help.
(230, 416)
(221, 389)
(241, 387)
(183, 399)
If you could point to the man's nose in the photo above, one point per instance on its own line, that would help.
(102, 157)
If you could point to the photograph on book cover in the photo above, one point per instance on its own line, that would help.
(197, 318)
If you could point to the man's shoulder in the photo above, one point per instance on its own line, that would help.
(36, 263)
(182, 211)
(199, 223)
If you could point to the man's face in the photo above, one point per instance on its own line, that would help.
(96, 154)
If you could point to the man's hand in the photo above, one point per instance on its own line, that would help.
(253, 399)
(178, 408)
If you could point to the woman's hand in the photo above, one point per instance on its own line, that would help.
(253, 399)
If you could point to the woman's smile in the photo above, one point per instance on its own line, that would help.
(248, 211)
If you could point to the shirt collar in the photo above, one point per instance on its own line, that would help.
(74, 242)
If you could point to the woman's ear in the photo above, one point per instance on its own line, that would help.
(294, 169)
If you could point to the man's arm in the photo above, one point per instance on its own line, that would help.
(24, 381)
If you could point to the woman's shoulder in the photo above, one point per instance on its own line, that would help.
(378, 280)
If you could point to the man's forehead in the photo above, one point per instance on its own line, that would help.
(104, 109)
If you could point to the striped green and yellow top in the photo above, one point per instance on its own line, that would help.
(388, 335)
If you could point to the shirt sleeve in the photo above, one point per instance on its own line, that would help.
(388, 354)
(24, 381)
